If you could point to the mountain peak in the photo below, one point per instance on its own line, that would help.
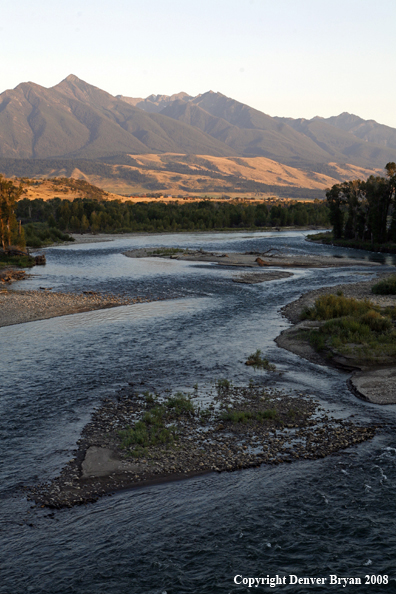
(73, 81)
(72, 78)
(76, 88)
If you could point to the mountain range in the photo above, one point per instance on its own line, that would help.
(76, 120)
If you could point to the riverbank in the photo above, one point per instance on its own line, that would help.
(327, 239)
(247, 259)
(242, 427)
(11, 274)
(374, 384)
(19, 307)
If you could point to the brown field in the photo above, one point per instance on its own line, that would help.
(181, 176)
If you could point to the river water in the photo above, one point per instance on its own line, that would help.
(309, 518)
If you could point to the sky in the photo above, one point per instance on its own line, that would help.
(291, 58)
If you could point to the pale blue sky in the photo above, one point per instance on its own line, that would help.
(296, 58)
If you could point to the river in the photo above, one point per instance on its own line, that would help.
(311, 518)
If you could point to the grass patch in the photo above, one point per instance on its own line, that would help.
(258, 362)
(223, 384)
(154, 429)
(245, 416)
(144, 435)
(179, 405)
(387, 286)
(327, 235)
(149, 398)
(353, 328)
(205, 415)
(20, 261)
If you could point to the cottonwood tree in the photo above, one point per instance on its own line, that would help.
(9, 195)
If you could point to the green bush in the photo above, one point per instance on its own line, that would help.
(149, 398)
(242, 416)
(237, 416)
(365, 334)
(387, 286)
(223, 384)
(375, 321)
(147, 432)
(40, 235)
(328, 307)
(179, 404)
(317, 340)
(152, 429)
(20, 261)
(257, 361)
(266, 414)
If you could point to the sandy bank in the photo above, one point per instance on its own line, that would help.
(247, 259)
(253, 278)
(376, 385)
(18, 307)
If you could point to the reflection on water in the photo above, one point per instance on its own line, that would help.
(326, 516)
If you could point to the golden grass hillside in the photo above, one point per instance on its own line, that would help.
(173, 176)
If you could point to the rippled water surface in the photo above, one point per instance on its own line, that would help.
(313, 518)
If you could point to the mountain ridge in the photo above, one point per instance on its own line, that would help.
(75, 120)
(250, 132)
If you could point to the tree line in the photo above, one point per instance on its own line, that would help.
(83, 215)
(365, 211)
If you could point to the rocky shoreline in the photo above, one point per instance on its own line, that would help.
(242, 427)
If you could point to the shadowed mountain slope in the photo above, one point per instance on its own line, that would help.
(75, 119)
(343, 145)
(368, 130)
(247, 131)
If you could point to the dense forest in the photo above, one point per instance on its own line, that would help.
(84, 215)
(364, 212)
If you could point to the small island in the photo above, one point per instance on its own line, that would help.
(247, 259)
(145, 438)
